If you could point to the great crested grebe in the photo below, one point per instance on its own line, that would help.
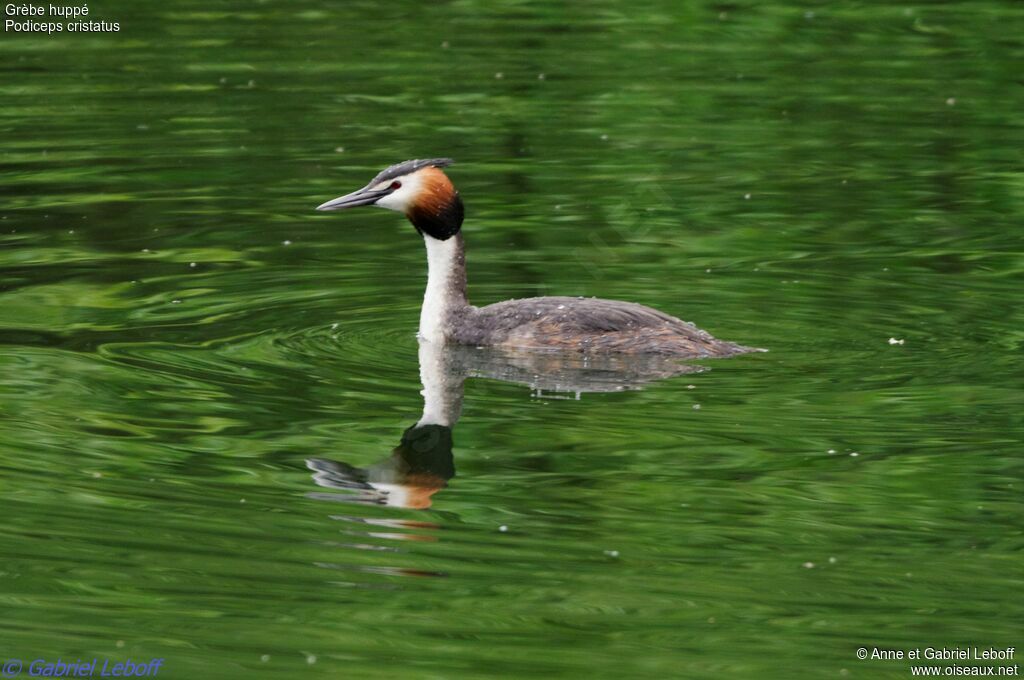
(421, 190)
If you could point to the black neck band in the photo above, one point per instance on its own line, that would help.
(443, 224)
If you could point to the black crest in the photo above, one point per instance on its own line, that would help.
(406, 167)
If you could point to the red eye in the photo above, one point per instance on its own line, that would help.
(396, 185)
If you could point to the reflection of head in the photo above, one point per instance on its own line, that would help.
(427, 450)
(417, 468)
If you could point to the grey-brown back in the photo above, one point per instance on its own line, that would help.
(587, 324)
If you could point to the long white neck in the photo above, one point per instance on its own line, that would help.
(446, 287)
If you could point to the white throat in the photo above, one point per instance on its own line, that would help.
(441, 296)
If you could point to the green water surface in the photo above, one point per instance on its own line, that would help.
(841, 183)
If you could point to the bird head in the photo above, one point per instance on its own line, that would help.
(419, 189)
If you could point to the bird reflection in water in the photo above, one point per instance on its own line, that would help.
(422, 464)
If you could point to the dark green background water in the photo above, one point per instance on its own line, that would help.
(811, 178)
